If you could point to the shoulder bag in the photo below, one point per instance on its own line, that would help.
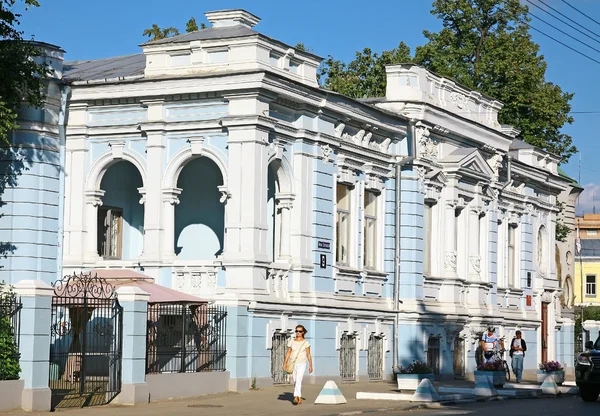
(290, 367)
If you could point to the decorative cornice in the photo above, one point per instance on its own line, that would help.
(94, 197)
(171, 195)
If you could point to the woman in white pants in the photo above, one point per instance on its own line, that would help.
(299, 351)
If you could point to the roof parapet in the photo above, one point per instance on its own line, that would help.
(232, 17)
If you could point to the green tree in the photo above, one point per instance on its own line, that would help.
(9, 352)
(365, 75)
(484, 45)
(156, 33)
(191, 25)
(21, 78)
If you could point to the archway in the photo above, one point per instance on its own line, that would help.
(273, 219)
(199, 216)
(279, 205)
(120, 233)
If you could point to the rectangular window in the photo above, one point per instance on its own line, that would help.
(294, 66)
(370, 230)
(217, 56)
(427, 240)
(592, 232)
(342, 224)
(590, 285)
(110, 232)
(510, 269)
(274, 58)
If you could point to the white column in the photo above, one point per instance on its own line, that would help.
(75, 201)
(93, 200)
(153, 200)
(474, 266)
(170, 199)
(450, 254)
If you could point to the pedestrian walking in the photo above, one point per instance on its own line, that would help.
(296, 359)
(518, 346)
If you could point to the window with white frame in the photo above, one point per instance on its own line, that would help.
(427, 239)
(370, 230)
(110, 232)
(343, 223)
(590, 285)
(510, 269)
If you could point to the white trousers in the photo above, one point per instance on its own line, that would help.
(297, 375)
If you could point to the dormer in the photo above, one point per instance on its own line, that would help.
(231, 44)
(411, 83)
(534, 156)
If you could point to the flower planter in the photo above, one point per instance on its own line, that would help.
(559, 376)
(497, 378)
(411, 381)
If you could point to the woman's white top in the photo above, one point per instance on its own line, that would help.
(298, 349)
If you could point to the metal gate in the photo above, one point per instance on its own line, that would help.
(348, 357)
(433, 354)
(85, 350)
(459, 358)
(375, 358)
(278, 350)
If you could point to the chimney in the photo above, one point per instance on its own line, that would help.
(235, 17)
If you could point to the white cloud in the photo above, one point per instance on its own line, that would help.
(586, 200)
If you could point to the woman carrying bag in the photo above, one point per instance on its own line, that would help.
(299, 350)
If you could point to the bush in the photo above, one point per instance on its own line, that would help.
(9, 352)
(416, 367)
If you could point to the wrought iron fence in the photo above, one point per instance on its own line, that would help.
(185, 338)
(10, 330)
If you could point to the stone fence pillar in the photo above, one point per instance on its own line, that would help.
(34, 345)
(134, 389)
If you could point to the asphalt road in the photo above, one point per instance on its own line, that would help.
(568, 406)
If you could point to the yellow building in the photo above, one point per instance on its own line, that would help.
(587, 281)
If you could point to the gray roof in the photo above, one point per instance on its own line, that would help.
(459, 154)
(107, 68)
(590, 248)
(520, 144)
(208, 33)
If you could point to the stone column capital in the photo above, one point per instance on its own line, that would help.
(94, 197)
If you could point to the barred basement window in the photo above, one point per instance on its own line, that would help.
(110, 232)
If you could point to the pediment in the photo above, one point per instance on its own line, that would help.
(468, 162)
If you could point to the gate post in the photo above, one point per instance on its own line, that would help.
(34, 346)
(134, 302)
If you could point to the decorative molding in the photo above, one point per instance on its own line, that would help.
(495, 163)
(196, 145)
(433, 192)
(517, 189)
(276, 148)
(142, 192)
(171, 195)
(460, 100)
(475, 262)
(440, 130)
(421, 171)
(117, 148)
(284, 201)
(225, 195)
(339, 130)
(326, 151)
(546, 297)
(94, 197)
(450, 260)
(427, 147)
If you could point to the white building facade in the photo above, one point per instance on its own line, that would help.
(215, 164)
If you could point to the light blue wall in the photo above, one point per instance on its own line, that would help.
(199, 216)
(410, 344)
(120, 184)
(323, 223)
(389, 243)
(528, 260)
(29, 212)
(492, 277)
(411, 239)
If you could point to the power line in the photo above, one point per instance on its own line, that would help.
(562, 31)
(576, 9)
(564, 44)
(566, 23)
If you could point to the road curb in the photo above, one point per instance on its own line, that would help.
(443, 403)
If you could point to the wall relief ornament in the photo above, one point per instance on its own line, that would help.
(460, 100)
(475, 263)
(326, 151)
(421, 171)
(450, 261)
(427, 147)
(495, 163)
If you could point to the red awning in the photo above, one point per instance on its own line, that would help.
(158, 293)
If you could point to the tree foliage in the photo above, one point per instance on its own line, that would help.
(156, 32)
(484, 45)
(365, 75)
(9, 352)
(21, 78)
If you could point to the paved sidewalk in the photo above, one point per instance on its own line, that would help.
(273, 401)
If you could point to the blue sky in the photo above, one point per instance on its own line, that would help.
(88, 30)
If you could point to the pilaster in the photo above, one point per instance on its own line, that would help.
(36, 297)
(93, 200)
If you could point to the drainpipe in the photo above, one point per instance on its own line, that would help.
(398, 233)
(64, 93)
